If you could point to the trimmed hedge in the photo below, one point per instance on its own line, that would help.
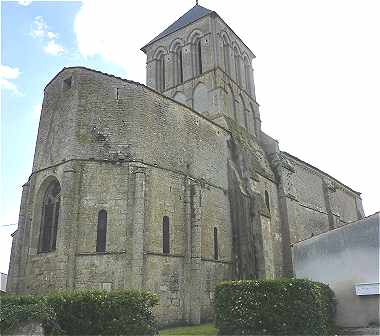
(91, 312)
(277, 307)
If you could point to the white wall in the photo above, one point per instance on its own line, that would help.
(343, 258)
(3, 282)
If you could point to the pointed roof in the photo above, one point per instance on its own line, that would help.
(194, 14)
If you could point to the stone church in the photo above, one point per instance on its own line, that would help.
(171, 187)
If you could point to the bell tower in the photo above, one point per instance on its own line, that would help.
(200, 62)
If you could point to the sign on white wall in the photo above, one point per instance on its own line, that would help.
(368, 289)
(3, 282)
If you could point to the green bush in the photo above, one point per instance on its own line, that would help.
(84, 312)
(15, 310)
(278, 307)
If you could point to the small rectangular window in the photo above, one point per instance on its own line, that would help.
(67, 83)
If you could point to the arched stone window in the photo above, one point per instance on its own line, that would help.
(178, 67)
(267, 203)
(226, 55)
(247, 70)
(216, 247)
(160, 72)
(165, 235)
(101, 236)
(197, 56)
(50, 217)
(237, 65)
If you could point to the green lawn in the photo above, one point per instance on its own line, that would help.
(203, 329)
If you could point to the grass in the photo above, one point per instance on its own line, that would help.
(203, 329)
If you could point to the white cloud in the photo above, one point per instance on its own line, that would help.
(7, 73)
(7, 85)
(39, 27)
(113, 30)
(41, 30)
(24, 2)
(52, 35)
(53, 48)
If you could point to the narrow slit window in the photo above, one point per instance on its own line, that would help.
(165, 235)
(161, 72)
(237, 66)
(101, 238)
(216, 247)
(247, 78)
(226, 56)
(178, 75)
(180, 70)
(199, 51)
(197, 57)
(163, 79)
(267, 200)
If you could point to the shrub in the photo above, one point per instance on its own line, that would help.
(84, 312)
(23, 309)
(279, 307)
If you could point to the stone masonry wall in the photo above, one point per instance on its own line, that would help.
(120, 120)
(58, 122)
(118, 146)
(317, 202)
(42, 272)
(124, 135)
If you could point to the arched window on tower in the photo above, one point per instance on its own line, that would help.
(226, 55)
(165, 235)
(267, 203)
(197, 57)
(237, 65)
(160, 72)
(101, 237)
(178, 68)
(50, 217)
(252, 115)
(247, 70)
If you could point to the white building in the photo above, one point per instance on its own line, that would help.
(3, 282)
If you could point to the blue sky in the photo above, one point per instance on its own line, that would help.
(24, 45)
(317, 76)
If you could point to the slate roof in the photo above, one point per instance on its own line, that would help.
(194, 14)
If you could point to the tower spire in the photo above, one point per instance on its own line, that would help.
(196, 2)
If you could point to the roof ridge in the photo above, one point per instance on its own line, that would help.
(322, 171)
(140, 85)
(195, 13)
